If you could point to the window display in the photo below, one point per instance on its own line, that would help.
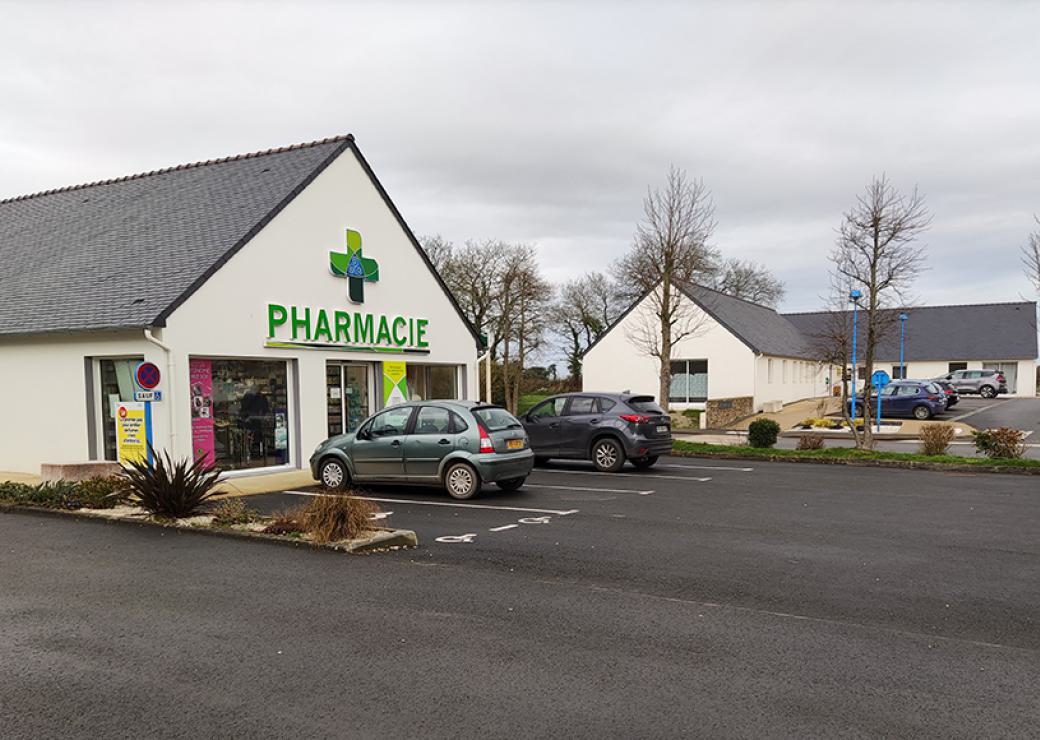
(428, 382)
(239, 412)
(117, 384)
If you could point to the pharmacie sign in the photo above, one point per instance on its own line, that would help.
(357, 331)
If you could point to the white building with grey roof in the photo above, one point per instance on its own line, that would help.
(280, 295)
(742, 350)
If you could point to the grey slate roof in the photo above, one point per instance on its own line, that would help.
(124, 253)
(761, 328)
(985, 331)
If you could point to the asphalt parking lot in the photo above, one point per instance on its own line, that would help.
(698, 599)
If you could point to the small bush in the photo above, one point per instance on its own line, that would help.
(287, 522)
(935, 439)
(95, 493)
(1003, 443)
(102, 492)
(810, 442)
(763, 433)
(233, 511)
(335, 518)
(167, 488)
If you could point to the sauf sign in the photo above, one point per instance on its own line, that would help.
(354, 330)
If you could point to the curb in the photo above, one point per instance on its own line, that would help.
(382, 539)
(860, 463)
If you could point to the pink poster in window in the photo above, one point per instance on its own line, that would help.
(200, 384)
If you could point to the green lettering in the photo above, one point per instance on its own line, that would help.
(304, 323)
(322, 326)
(383, 335)
(420, 333)
(342, 326)
(363, 328)
(276, 316)
(399, 321)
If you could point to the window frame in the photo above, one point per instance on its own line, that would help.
(689, 372)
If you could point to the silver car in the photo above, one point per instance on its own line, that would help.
(987, 383)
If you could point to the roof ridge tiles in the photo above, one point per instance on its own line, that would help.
(913, 308)
(177, 168)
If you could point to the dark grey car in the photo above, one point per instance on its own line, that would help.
(607, 428)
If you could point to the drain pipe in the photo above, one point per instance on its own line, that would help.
(169, 384)
(487, 375)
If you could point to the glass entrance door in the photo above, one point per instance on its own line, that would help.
(347, 393)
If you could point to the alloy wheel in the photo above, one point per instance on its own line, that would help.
(461, 481)
(332, 475)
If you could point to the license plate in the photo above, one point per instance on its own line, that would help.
(662, 428)
(515, 444)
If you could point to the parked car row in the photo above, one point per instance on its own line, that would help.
(923, 399)
(461, 444)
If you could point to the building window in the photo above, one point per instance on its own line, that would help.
(427, 382)
(954, 366)
(689, 381)
(117, 384)
(769, 370)
(898, 372)
(239, 412)
(784, 366)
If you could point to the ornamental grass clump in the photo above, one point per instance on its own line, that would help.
(763, 433)
(935, 439)
(166, 488)
(335, 518)
(1003, 443)
(810, 442)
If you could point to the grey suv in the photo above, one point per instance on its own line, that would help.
(987, 383)
(607, 428)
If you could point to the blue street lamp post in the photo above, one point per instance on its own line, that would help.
(902, 343)
(854, 296)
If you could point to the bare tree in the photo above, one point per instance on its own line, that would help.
(584, 309)
(521, 300)
(750, 281)
(438, 249)
(1031, 256)
(670, 253)
(876, 254)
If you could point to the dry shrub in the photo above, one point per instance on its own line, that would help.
(233, 511)
(287, 521)
(1003, 443)
(935, 438)
(335, 518)
(810, 442)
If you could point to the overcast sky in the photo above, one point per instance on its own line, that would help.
(545, 123)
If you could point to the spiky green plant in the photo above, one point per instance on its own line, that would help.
(170, 488)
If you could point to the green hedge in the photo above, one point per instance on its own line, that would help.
(95, 493)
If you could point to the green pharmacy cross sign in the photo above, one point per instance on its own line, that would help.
(355, 267)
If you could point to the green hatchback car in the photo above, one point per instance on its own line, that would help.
(457, 444)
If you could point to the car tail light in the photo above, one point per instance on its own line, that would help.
(933, 398)
(1000, 377)
(486, 445)
(636, 418)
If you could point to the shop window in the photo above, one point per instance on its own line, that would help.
(239, 412)
(347, 396)
(689, 381)
(428, 382)
(117, 384)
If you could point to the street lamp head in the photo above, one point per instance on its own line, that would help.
(855, 295)
(903, 317)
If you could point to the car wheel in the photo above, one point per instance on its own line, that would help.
(987, 391)
(607, 456)
(461, 481)
(541, 462)
(333, 474)
(645, 463)
(922, 413)
(510, 484)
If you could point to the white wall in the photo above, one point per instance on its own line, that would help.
(790, 380)
(922, 370)
(617, 364)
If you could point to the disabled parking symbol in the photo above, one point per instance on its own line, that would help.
(457, 538)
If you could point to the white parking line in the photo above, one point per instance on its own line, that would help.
(705, 467)
(593, 490)
(446, 503)
(595, 472)
(502, 529)
(975, 411)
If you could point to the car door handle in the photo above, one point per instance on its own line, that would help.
(444, 442)
(554, 425)
(396, 443)
(593, 421)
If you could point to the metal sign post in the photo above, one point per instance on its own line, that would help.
(879, 380)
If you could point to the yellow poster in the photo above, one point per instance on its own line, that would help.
(395, 384)
(133, 430)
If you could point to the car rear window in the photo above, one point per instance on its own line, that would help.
(495, 419)
(644, 404)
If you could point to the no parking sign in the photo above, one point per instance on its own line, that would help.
(147, 377)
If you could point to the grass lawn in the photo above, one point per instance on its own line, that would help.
(845, 453)
(529, 400)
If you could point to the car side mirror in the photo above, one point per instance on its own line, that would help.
(363, 434)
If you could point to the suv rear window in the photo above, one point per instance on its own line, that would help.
(495, 419)
(645, 404)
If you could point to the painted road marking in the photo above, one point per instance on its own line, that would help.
(380, 515)
(446, 503)
(596, 472)
(594, 490)
(457, 538)
(502, 529)
(704, 467)
(535, 520)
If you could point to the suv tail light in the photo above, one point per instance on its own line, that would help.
(636, 418)
(1000, 378)
(486, 445)
(933, 398)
